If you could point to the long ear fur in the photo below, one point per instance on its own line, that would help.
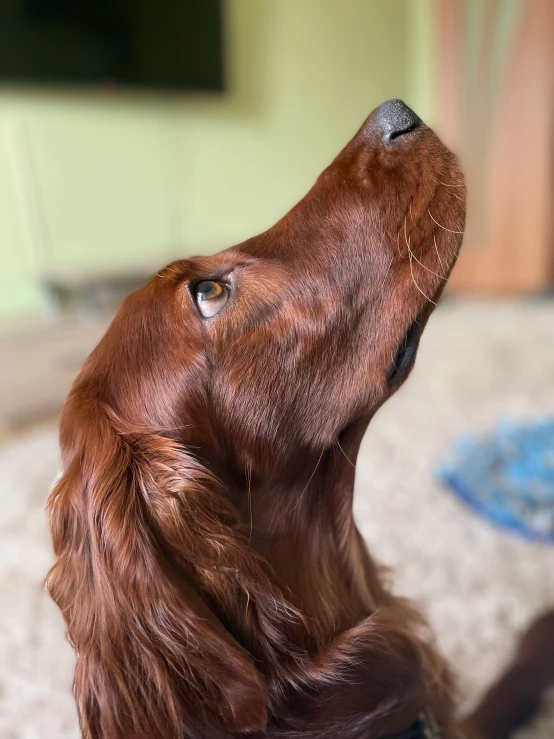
(143, 537)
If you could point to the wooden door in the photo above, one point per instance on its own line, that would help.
(495, 107)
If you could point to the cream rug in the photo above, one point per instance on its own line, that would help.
(478, 361)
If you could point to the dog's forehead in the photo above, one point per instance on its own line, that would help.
(252, 261)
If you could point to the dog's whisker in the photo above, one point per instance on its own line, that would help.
(415, 283)
(345, 455)
(411, 257)
(406, 235)
(437, 250)
(249, 490)
(391, 237)
(402, 256)
(447, 184)
(387, 233)
(398, 246)
(427, 268)
(412, 218)
(406, 239)
(309, 481)
(388, 270)
(441, 226)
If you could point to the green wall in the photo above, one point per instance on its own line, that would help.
(91, 181)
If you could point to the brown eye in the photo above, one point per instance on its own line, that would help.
(210, 297)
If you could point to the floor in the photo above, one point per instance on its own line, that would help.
(38, 367)
(478, 361)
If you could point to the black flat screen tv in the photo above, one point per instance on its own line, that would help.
(156, 44)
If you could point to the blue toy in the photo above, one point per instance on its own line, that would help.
(507, 476)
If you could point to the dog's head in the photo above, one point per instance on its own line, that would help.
(274, 346)
(253, 360)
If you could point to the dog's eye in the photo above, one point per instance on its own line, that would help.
(210, 297)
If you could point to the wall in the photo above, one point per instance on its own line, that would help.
(94, 182)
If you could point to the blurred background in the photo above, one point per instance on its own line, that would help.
(132, 134)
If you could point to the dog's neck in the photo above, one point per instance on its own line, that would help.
(312, 542)
(325, 569)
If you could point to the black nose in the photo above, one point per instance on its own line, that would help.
(396, 119)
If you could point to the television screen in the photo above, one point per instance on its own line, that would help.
(172, 44)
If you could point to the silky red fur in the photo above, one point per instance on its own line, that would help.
(209, 570)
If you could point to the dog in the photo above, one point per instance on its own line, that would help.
(208, 566)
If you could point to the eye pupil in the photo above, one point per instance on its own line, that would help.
(210, 297)
(208, 290)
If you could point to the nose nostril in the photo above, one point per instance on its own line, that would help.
(403, 131)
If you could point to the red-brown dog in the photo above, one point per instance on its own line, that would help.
(208, 566)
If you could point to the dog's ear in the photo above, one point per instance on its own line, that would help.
(141, 535)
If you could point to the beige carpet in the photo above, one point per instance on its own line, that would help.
(477, 361)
